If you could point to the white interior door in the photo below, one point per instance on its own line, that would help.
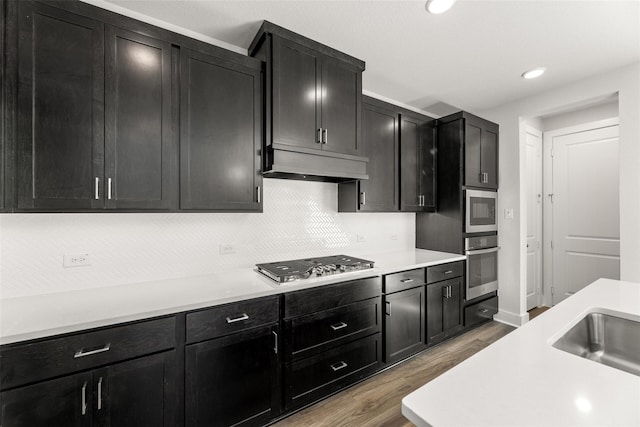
(585, 205)
(533, 144)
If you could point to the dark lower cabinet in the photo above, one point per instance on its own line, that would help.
(233, 380)
(57, 402)
(404, 323)
(444, 316)
(134, 393)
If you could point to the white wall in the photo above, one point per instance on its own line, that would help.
(511, 117)
(583, 115)
(300, 219)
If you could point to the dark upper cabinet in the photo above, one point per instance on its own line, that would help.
(313, 107)
(60, 128)
(139, 145)
(94, 115)
(480, 152)
(220, 134)
(380, 135)
(417, 163)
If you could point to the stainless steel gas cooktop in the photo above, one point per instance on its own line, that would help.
(297, 269)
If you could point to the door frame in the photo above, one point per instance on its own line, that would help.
(538, 221)
(547, 189)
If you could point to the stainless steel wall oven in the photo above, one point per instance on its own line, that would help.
(482, 265)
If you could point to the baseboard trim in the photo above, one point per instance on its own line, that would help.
(511, 319)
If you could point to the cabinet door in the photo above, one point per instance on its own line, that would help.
(140, 151)
(60, 142)
(341, 107)
(427, 166)
(66, 401)
(220, 134)
(489, 158)
(481, 154)
(452, 314)
(380, 129)
(435, 322)
(404, 323)
(136, 393)
(296, 94)
(232, 380)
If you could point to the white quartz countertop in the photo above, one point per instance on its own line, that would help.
(521, 380)
(40, 316)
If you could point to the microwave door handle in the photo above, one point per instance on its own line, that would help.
(483, 251)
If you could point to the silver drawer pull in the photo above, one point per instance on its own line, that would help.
(84, 399)
(100, 394)
(484, 310)
(83, 352)
(244, 316)
(338, 326)
(338, 366)
(448, 272)
(406, 280)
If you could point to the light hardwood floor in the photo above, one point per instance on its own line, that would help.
(377, 401)
(535, 312)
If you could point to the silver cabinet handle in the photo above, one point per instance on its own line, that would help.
(97, 188)
(109, 188)
(484, 310)
(448, 272)
(319, 141)
(84, 398)
(240, 318)
(388, 308)
(83, 353)
(275, 342)
(484, 177)
(325, 136)
(363, 198)
(258, 194)
(406, 280)
(100, 394)
(337, 326)
(338, 366)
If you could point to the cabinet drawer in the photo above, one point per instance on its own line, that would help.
(484, 310)
(404, 280)
(25, 363)
(229, 318)
(300, 303)
(445, 271)
(313, 333)
(314, 377)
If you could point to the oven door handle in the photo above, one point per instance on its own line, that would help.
(483, 251)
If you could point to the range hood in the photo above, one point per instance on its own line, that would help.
(284, 161)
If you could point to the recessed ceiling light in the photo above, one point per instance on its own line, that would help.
(439, 6)
(532, 74)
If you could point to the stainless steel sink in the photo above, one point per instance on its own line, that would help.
(606, 339)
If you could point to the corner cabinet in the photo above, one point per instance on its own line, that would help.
(94, 115)
(220, 133)
(313, 107)
(417, 163)
(380, 133)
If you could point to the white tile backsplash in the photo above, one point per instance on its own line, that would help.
(300, 219)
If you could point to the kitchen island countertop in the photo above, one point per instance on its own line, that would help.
(32, 317)
(521, 380)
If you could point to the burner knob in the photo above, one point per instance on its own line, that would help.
(343, 267)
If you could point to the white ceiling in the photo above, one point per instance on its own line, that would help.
(470, 57)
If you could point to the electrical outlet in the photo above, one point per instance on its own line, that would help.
(508, 213)
(76, 260)
(394, 237)
(227, 249)
(361, 238)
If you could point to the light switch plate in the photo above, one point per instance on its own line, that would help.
(508, 213)
(76, 260)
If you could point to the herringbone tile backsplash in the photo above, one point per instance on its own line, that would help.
(300, 219)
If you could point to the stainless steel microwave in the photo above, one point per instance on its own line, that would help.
(481, 211)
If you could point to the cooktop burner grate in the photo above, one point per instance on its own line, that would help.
(288, 271)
